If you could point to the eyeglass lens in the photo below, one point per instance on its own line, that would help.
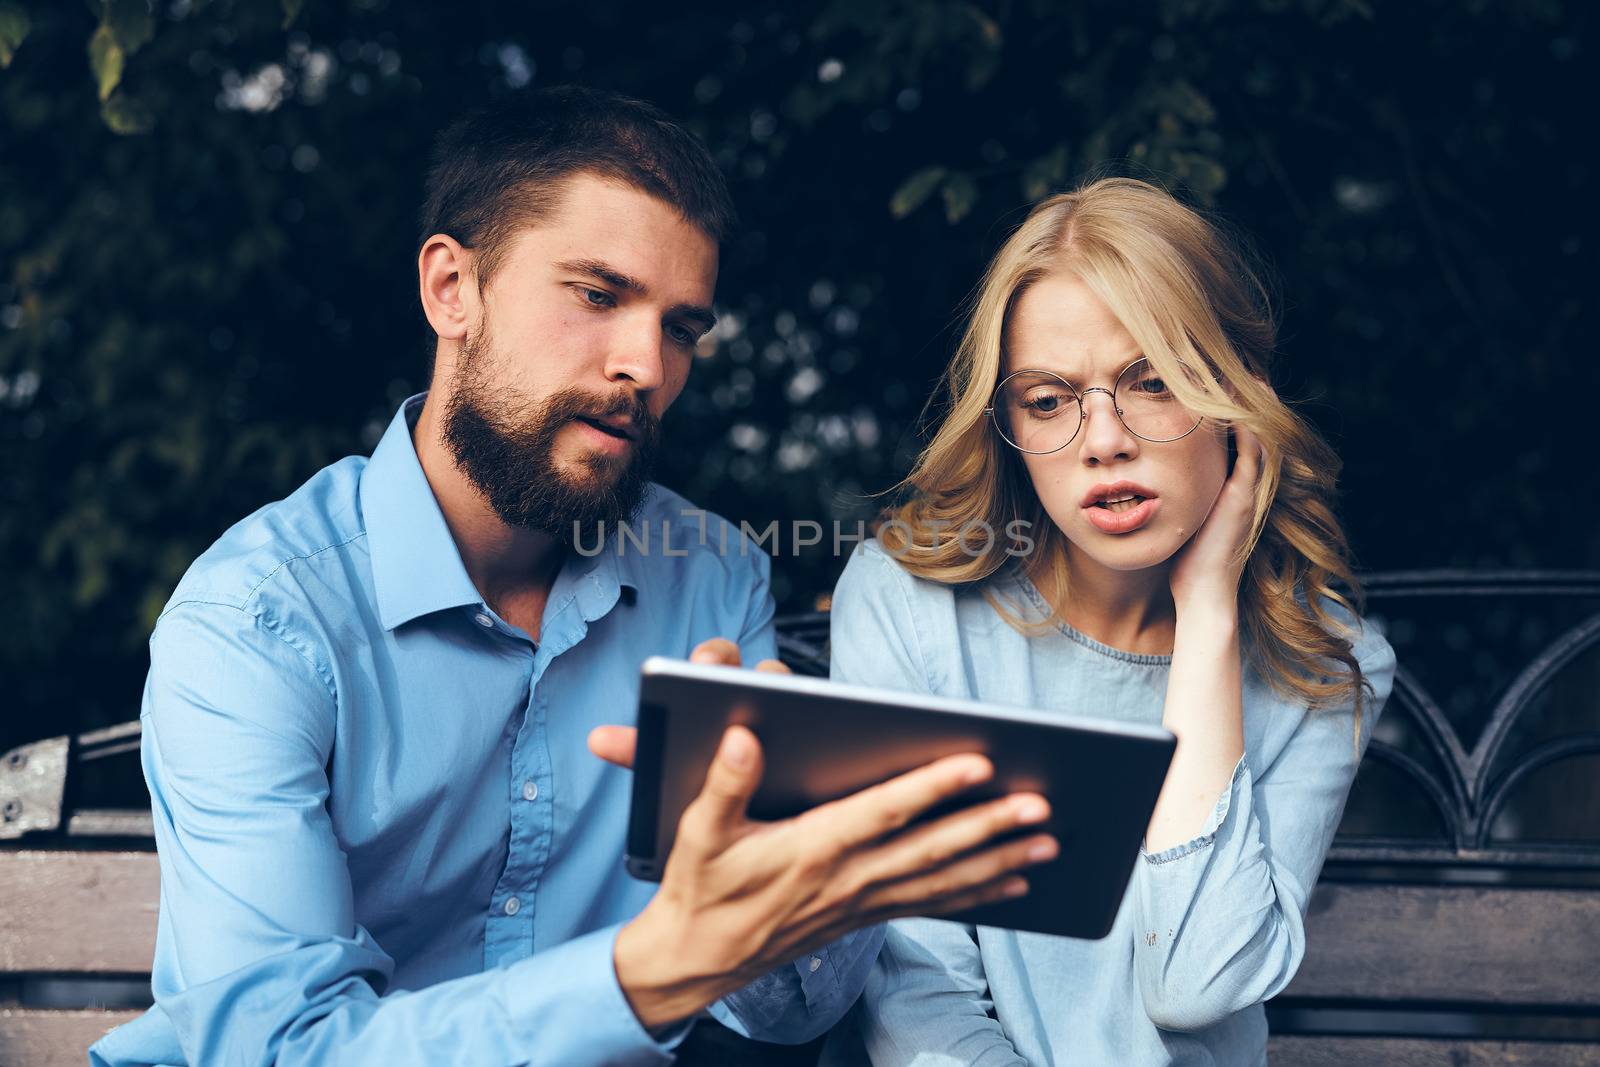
(1037, 411)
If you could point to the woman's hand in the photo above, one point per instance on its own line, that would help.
(1205, 704)
(1206, 571)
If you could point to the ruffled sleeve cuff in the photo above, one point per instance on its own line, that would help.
(1240, 780)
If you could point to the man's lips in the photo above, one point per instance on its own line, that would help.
(616, 426)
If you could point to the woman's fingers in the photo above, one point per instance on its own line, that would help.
(1250, 459)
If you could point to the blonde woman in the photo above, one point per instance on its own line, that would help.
(1079, 536)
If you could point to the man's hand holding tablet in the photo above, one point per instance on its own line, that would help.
(741, 897)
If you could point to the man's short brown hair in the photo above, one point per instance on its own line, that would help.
(501, 168)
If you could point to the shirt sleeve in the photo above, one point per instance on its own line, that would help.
(927, 999)
(1220, 920)
(874, 639)
(259, 958)
(758, 637)
(800, 1001)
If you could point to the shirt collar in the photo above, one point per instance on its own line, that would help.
(416, 567)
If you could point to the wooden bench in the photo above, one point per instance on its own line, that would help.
(1459, 948)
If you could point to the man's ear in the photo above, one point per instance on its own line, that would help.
(444, 276)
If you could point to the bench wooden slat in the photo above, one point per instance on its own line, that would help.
(78, 912)
(1427, 1052)
(38, 1038)
(1465, 944)
(95, 912)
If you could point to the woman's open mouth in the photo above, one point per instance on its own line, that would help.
(1122, 503)
(1120, 508)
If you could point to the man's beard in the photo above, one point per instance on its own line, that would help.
(506, 453)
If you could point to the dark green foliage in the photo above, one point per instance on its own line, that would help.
(207, 280)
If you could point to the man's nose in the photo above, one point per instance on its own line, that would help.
(636, 354)
(1105, 438)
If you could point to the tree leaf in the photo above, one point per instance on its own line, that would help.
(14, 26)
(129, 22)
(1204, 175)
(960, 193)
(105, 59)
(981, 68)
(914, 190)
(985, 60)
(125, 115)
(1045, 173)
(291, 11)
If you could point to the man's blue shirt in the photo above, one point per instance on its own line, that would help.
(382, 837)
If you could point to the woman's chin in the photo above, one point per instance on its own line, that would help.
(1139, 552)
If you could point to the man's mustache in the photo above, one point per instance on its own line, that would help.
(574, 404)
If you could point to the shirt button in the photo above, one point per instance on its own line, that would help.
(530, 790)
(816, 961)
(483, 620)
(513, 905)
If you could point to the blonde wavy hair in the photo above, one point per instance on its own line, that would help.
(1189, 298)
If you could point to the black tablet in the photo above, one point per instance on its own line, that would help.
(823, 740)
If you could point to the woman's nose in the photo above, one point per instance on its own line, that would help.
(1105, 438)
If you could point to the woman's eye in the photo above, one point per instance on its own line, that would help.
(1043, 404)
(1150, 386)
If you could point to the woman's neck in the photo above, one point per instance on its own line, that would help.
(1128, 610)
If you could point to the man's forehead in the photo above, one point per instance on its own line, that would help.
(598, 205)
(630, 231)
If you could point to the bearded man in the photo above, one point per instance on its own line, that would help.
(374, 707)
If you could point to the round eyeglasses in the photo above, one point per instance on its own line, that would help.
(1037, 412)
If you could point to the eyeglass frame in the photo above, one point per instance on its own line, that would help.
(1083, 410)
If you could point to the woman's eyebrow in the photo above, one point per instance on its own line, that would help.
(1076, 380)
(1071, 379)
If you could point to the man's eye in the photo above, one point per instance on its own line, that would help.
(682, 334)
(596, 297)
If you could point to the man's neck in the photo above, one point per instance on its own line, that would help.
(513, 568)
